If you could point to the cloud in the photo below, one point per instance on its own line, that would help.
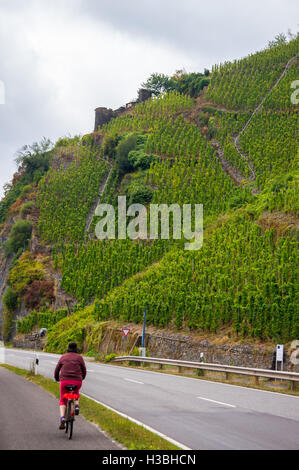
(59, 60)
(209, 31)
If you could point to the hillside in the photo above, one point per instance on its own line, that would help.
(232, 147)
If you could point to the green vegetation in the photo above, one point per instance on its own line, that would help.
(241, 277)
(189, 84)
(19, 237)
(243, 83)
(25, 271)
(165, 151)
(63, 212)
(41, 319)
(34, 162)
(10, 299)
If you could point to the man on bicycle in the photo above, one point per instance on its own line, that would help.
(70, 370)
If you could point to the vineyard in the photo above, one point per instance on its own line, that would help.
(242, 84)
(66, 197)
(166, 151)
(240, 277)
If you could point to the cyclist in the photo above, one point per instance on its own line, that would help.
(70, 370)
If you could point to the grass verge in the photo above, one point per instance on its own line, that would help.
(130, 435)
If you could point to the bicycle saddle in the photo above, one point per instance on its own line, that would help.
(71, 388)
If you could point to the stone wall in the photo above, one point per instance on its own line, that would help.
(176, 346)
(103, 116)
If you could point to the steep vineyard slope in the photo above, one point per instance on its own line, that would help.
(236, 155)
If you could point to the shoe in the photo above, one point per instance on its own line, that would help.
(62, 423)
(76, 410)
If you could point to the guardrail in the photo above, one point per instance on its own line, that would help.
(267, 373)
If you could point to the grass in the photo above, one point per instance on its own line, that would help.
(122, 430)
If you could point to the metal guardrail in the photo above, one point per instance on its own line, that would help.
(267, 373)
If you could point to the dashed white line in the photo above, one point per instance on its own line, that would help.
(134, 381)
(217, 402)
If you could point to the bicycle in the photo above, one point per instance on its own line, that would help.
(70, 409)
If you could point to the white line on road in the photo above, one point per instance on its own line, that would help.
(134, 381)
(218, 402)
(176, 443)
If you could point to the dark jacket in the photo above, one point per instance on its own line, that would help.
(71, 366)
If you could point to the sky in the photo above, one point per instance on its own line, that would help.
(60, 60)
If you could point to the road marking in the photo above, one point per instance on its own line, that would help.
(169, 439)
(88, 370)
(218, 402)
(134, 381)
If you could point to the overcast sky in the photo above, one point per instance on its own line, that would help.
(61, 59)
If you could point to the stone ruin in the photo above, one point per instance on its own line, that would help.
(104, 115)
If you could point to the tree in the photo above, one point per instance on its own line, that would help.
(158, 83)
(34, 159)
(278, 40)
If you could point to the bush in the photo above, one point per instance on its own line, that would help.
(19, 236)
(25, 191)
(110, 357)
(140, 195)
(122, 152)
(10, 299)
(139, 159)
(26, 208)
(109, 145)
(37, 292)
(8, 324)
(25, 272)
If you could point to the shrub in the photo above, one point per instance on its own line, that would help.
(110, 357)
(109, 145)
(25, 191)
(139, 159)
(19, 236)
(26, 208)
(10, 299)
(38, 291)
(141, 195)
(8, 324)
(122, 152)
(26, 270)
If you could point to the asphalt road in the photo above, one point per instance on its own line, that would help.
(199, 414)
(30, 419)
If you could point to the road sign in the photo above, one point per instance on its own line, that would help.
(125, 331)
(279, 353)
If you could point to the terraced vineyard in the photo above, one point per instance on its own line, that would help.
(172, 149)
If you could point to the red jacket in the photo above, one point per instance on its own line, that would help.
(71, 366)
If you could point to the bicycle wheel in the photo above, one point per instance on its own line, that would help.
(71, 424)
(67, 416)
(70, 419)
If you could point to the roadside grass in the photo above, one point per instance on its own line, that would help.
(130, 435)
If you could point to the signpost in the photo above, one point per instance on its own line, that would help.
(125, 331)
(279, 355)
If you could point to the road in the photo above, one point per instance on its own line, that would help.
(199, 414)
(30, 419)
